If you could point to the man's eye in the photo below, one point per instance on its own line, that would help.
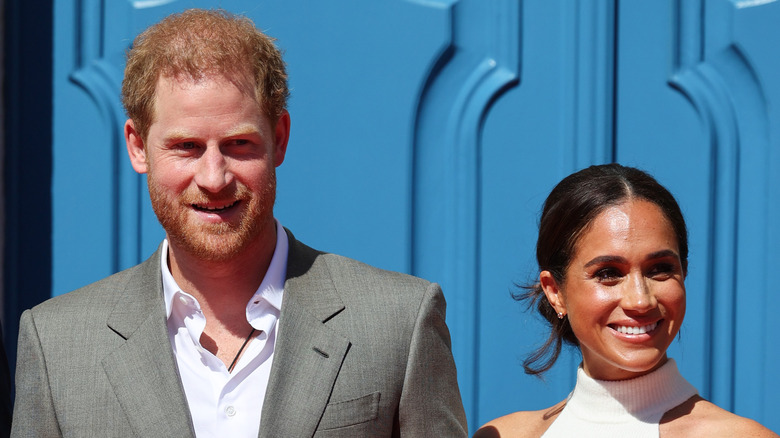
(239, 142)
(187, 145)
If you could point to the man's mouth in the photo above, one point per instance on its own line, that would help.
(214, 209)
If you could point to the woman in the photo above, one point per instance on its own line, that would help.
(613, 255)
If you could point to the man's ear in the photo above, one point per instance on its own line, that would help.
(282, 132)
(135, 148)
(553, 292)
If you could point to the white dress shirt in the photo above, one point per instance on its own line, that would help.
(224, 404)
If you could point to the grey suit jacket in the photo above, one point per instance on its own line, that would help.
(361, 353)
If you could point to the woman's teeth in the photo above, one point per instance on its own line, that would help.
(636, 330)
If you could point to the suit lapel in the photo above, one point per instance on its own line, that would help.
(308, 355)
(143, 371)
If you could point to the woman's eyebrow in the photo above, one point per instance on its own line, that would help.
(618, 259)
(663, 253)
(605, 259)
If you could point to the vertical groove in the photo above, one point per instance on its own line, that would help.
(78, 6)
(615, 77)
(102, 29)
(734, 279)
(709, 286)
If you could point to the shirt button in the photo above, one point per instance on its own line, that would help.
(230, 411)
(183, 300)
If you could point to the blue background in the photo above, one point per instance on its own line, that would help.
(425, 136)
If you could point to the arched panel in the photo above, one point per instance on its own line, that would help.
(755, 86)
(718, 167)
(479, 65)
(95, 193)
(427, 133)
(356, 71)
(332, 89)
(556, 121)
(659, 130)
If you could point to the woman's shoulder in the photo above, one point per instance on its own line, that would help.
(699, 417)
(521, 424)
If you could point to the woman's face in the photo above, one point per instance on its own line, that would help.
(623, 293)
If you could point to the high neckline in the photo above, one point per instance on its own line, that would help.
(632, 407)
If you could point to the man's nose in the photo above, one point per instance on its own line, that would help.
(212, 173)
(638, 295)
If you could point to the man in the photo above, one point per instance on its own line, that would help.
(233, 327)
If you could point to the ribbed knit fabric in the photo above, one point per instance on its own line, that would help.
(625, 408)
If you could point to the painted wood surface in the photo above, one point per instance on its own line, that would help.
(427, 133)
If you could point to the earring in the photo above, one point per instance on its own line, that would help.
(560, 315)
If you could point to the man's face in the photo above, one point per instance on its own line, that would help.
(210, 158)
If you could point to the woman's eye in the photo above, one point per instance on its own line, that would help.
(607, 274)
(661, 270)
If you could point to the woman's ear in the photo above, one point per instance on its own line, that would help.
(553, 292)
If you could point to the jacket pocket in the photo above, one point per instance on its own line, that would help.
(350, 412)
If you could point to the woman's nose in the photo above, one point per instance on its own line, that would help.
(638, 295)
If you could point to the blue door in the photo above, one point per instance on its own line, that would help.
(427, 133)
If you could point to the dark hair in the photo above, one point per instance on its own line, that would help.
(569, 209)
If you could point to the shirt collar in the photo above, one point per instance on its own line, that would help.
(270, 291)
(272, 286)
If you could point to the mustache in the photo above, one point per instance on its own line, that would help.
(228, 194)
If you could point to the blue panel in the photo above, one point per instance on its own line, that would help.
(480, 64)
(556, 121)
(725, 194)
(83, 155)
(757, 351)
(427, 133)
(659, 131)
(354, 91)
(377, 76)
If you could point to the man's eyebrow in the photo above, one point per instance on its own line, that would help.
(246, 129)
(177, 135)
(182, 134)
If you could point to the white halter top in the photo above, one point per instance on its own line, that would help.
(625, 408)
